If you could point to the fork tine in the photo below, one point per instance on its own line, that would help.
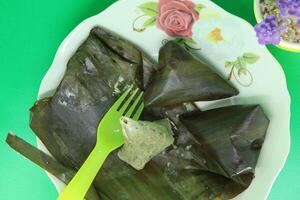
(127, 101)
(134, 105)
(132, 102)
(137, 109)
(122, 99)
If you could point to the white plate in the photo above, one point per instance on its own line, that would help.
(268, 87)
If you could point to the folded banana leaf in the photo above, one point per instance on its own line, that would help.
(187, 161)
(99, 71)
(128, 52)
(46, 162)
(183, 78)
(165, 177)
(96, 75)
(233, 136)
(174, 174)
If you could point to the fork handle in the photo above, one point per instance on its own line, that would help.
(83, 179)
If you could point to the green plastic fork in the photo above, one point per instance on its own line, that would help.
(109, 137)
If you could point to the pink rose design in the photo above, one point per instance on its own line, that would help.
(176, 17)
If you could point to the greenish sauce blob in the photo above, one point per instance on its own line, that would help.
(143, 140)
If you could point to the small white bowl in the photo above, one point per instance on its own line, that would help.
(288, 46)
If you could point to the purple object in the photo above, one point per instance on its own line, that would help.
(268, 31)
(289, 8)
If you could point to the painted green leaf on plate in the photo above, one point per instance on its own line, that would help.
(149, 8)
(199, 7)
(250, 57)
(149, 22)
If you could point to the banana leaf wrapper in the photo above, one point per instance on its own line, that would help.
(187, 168)
(176, 173)
(128, 52)
(46, 162)
(183, 78)
(233, 136)
(96, 75)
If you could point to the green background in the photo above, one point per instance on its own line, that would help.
(30, 33)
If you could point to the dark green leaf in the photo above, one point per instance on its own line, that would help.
(99, 71)
(178, 170)
(228, 134)
(119, 45)
(149, 69)
(46, 162)
(178, 82)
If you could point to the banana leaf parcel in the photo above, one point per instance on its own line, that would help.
(193, 168)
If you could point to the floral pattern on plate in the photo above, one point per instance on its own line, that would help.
(198, 28)
(239, 69)
(175, 17)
